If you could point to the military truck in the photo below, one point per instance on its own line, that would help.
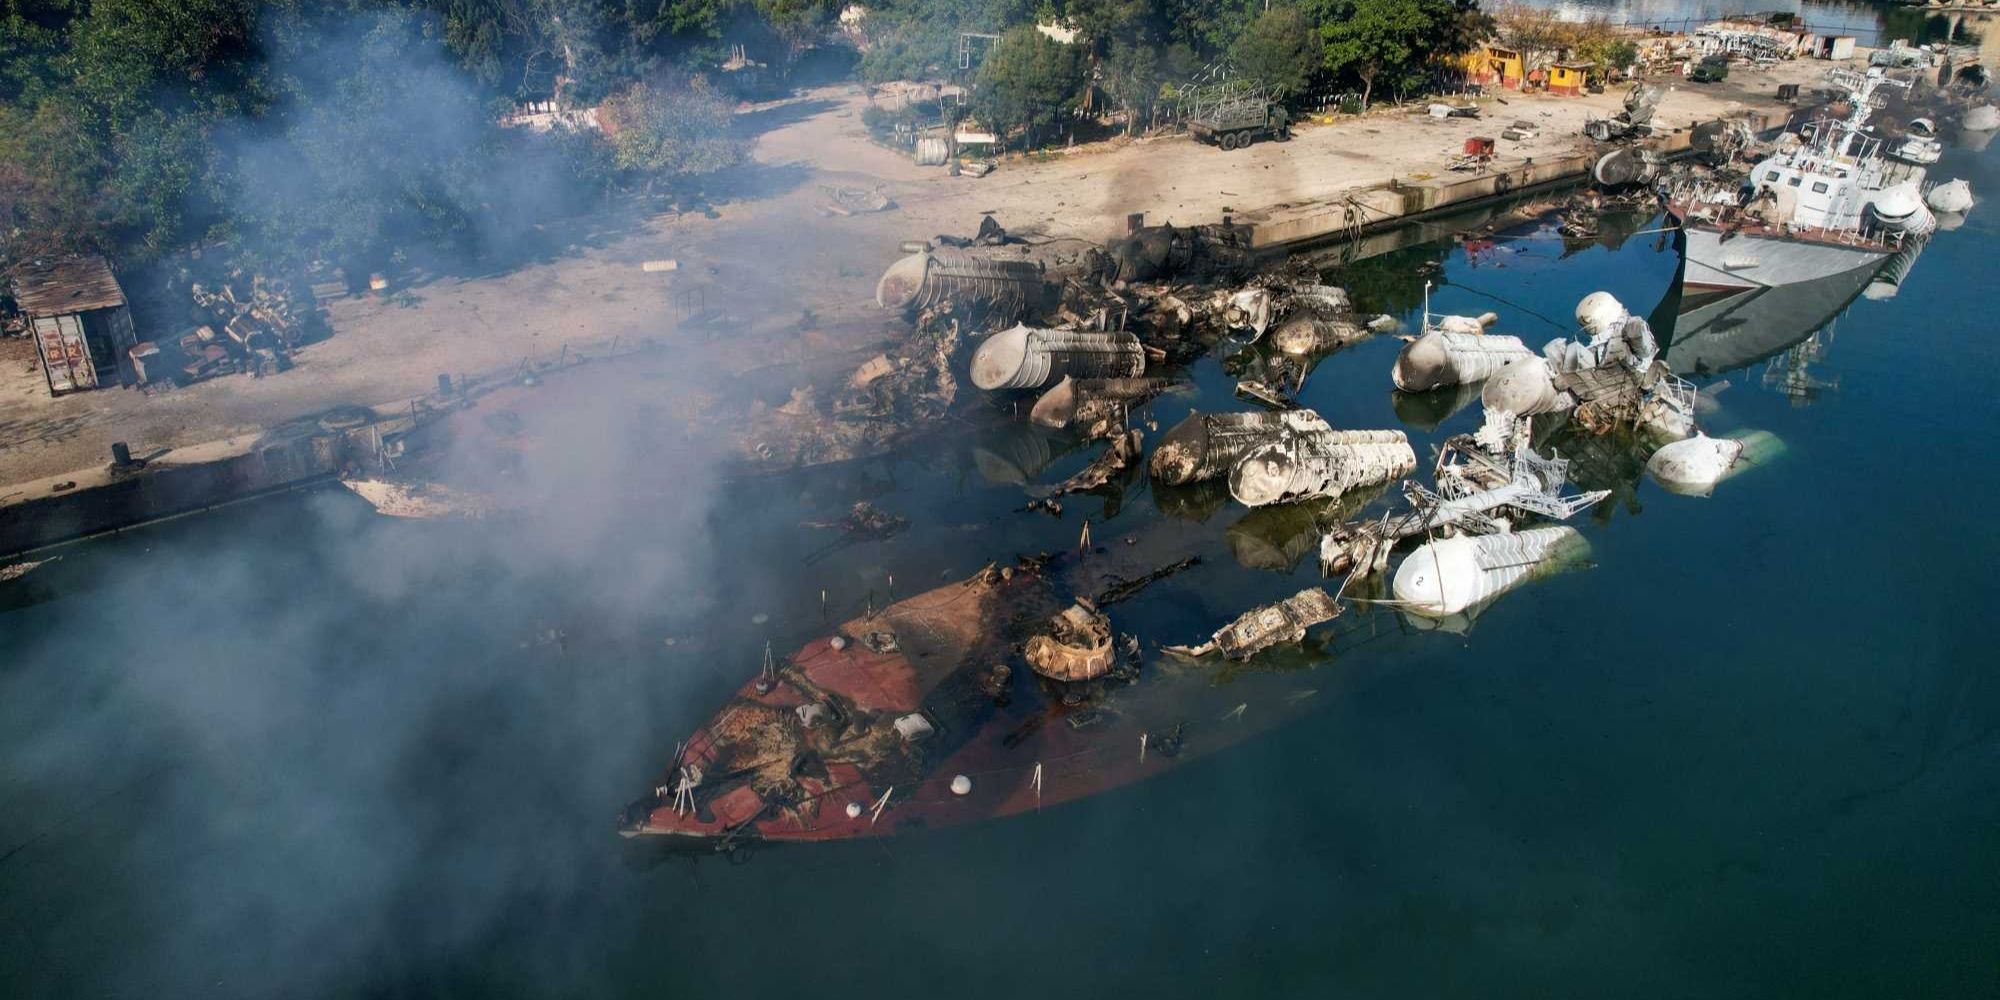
(1237, 123)
(1711, 69)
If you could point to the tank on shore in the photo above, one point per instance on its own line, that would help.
(1452, 576)
(1319, 464)
(1028, 358)
(1206, 446)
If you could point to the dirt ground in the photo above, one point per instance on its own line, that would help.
(768, 258)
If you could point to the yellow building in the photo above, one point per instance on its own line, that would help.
(1568, 77)
(1492, 65)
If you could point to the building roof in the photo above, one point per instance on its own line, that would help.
(62, 287)
(1577, 64)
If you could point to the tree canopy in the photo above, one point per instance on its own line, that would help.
(1280, 49)
(1029, 81)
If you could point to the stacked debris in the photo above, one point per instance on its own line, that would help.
(250, 323)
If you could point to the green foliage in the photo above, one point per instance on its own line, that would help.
(918, 39)
(673, 127)
(1607, 53)
(51, 182)
(1392, 42)
(1280, 50)
(124, 49)
(1029, 81)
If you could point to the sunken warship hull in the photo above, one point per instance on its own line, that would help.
(931, 713)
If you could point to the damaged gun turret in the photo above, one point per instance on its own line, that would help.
(1261, 628)
(1455, 351)
(1029, 358)
(1319, 463)
(1207, 445)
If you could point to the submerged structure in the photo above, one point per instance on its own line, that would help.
(1319, 463)
(1206, 446)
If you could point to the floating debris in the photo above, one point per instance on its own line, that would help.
(1122, 589)
(1319, 463)
(866, 520)
(1124, 449)
(1206, 446)
(1263, 627)
(1451, 575)
(1254, 391)
(1308, 335)
(1095, 406)
(1077, 648)
(1029, 358)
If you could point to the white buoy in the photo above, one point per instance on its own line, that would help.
(961, 785)
(854, 810)
(1951, 196)
(1450, 575)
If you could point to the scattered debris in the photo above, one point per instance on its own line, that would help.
(1097, 407)
(1125, 448)
(1123, 589)
(1261, 628)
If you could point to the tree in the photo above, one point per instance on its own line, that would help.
(1539, 34)
(666, 128)
(1279, 50)
(1393, 41)
(52, 171)
(1028, 81)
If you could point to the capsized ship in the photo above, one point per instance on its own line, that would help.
(1832, 203)
(926, 714)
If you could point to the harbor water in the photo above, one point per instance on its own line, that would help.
(1750, 749)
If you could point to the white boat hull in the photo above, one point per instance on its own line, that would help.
(1746, 261)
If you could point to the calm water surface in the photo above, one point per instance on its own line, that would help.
(1752, 750)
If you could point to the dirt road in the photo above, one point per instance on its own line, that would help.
(767, 260)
